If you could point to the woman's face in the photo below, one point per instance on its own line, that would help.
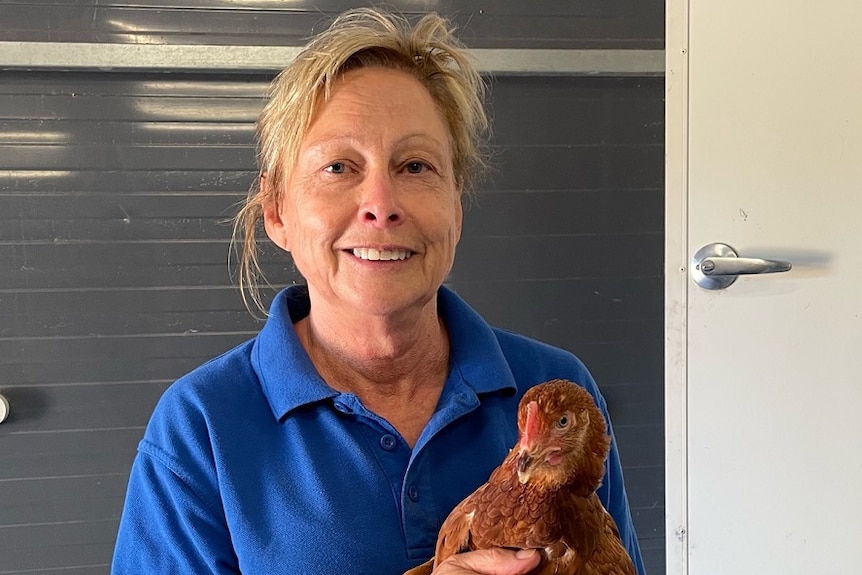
(371, 211)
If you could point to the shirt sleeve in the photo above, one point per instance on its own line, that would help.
(167, 525)
(613, 495)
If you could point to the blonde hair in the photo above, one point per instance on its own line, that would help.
(359, 38)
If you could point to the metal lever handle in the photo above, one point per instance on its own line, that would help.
(716, 266)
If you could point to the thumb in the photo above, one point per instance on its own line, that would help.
(491, 562)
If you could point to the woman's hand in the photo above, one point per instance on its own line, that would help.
(490, 562)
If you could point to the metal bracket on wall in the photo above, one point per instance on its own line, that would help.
(246, 59)
(4, 409)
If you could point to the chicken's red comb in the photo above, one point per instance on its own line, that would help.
(531, 425)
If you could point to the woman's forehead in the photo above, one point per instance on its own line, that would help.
(378, 102)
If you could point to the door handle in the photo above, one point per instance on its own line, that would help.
(716, 266)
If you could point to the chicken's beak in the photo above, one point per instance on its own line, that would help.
(524, 464)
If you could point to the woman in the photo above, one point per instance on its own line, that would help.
(373, 399)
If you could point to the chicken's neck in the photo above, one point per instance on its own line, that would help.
(548, 480)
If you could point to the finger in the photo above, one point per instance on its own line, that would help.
(490, 562)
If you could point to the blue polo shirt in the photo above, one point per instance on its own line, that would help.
(252, 464)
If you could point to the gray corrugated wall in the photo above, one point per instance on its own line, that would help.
(114, 188)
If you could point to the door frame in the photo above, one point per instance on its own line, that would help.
(676, 285)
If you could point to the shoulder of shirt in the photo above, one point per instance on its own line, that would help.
(533, 361)
(525, 348)
(219, 388)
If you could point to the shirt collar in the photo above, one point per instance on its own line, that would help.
(289, 379)
(474, 348)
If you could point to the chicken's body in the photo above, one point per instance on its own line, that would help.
(543, 494)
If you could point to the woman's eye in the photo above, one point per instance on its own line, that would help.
(336, 168)
(415, 167)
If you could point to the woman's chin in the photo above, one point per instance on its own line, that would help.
(390, 300)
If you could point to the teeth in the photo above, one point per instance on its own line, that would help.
(377, 255)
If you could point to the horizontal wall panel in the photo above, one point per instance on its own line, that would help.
(59, 255)
(32, 314)
(130, 209)
(30, 362)
(27, 548)
(136, 86)
(131, 301)
(611, 363)
(107, 157)
(78, 408)
(645, 486)
(131, 348)
(177, 134)
(650, 520)
(634, 400)
(73, 324)
(562, 256)
(481, 23)
(33, 503)
(577, 335)
(516, 213)
(653, 550)
(623, 332)
(116, 227)
(65, 132)
(69, 104)
(132, 264)
(648, 438)
(568, 167)
(99, 369)
(144, 108)
(233, 59)
(604, 111)
(152, 184)
(72, 539)
(49, 559)
(73, 277)
(65, 454)
(587, 299)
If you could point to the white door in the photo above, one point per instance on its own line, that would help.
(764, 378)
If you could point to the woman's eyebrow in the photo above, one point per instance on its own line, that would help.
(325, 144)
(420, 138)
(323, 147)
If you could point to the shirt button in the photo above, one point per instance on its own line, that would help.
(413, 493)
(388, 442)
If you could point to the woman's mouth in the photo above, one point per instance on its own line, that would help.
(373, 254)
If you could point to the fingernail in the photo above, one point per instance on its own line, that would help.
(525, 553)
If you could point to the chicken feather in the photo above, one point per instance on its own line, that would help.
(543, 494)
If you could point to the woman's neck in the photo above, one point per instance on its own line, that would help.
(396, 366)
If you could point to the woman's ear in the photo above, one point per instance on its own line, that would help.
(273, 222)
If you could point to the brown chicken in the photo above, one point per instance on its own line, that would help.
(543, 494)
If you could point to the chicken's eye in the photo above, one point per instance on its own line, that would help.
(564, 421)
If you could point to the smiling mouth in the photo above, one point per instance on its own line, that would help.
(373, 254)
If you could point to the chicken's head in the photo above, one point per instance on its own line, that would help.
(563, 438)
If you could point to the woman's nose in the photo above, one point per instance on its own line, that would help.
(380, 204)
